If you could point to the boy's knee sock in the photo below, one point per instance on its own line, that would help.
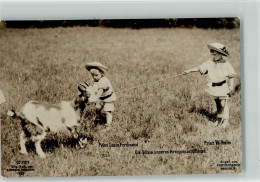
(224, 109)
(109, 117)
(226, 112)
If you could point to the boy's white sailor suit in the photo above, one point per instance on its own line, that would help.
(108, 96)
(218, 72)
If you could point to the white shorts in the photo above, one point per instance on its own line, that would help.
(105, 106)
(108, 107)
(218, 91)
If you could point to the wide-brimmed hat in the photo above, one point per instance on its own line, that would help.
(219, 48)
(96, 65)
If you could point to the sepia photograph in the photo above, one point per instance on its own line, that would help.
(120, 97)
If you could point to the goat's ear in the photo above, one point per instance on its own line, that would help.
(86, 83)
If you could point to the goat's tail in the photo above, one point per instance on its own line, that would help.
(12, 113)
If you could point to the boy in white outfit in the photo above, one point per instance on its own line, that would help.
(219, 71)
(103, 89)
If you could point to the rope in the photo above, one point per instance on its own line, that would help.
(142, 85)
(175, 76)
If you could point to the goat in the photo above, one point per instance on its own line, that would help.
(38, 118)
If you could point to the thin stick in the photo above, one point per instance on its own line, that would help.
(131, 88)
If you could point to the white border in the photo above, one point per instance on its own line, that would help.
(247, 11)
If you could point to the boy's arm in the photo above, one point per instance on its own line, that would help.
(195, 69)
(99, 93)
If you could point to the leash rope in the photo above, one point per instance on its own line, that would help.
(160, 80)
(142, 85)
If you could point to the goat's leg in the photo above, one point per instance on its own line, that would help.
(38, 139)
(73, 131)
(23, 140)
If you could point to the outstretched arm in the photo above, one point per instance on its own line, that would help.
(195, 69)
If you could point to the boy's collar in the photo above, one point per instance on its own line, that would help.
(221, 60)
(99, 78)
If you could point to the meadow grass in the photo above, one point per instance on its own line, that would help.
(47, 64)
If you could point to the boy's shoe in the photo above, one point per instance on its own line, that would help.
(224, 123)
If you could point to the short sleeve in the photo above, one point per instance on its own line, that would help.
(230, 71)
(103, 83)
(203, 68)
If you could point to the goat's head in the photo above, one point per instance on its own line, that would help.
(81, 137)
(86, 96)
(86, 105)
(87, 93)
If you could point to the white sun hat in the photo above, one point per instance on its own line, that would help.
(97, 65)
(219, 48)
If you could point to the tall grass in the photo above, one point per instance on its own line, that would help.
(47, 64)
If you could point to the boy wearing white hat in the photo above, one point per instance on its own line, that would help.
(219, 71)
(104, 90)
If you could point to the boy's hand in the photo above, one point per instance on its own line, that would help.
(231, 91)
(186, 72)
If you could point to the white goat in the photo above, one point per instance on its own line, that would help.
(38, 118)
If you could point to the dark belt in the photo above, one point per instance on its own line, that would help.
(105, 97)
(218, 84)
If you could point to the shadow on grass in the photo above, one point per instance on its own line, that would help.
(49, 145)
(54, 141)
(237, 88)
(211, 116)
(101, 121)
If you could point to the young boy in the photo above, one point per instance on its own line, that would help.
(219, 71)
(103, 90)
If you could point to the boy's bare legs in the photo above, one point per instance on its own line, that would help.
(225, 116)
(222, 112)
(219, 112)
(109, 118)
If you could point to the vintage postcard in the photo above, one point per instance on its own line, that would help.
(120, 97)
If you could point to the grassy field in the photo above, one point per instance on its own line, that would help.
(173, 114)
